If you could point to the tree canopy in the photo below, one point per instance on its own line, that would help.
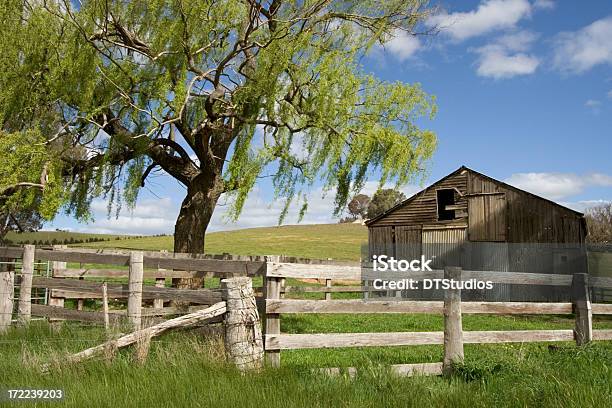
(383, 200)
(98, 95)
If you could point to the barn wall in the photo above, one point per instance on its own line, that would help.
(529, 218)
(380, 241)
(423, 209)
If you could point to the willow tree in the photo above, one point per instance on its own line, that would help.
(215, 93)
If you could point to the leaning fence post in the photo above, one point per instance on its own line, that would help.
(7, 282)
(453, 330)
(272, 290)
(134, 311)
(583, 331)
(243, 339)
(25, 289)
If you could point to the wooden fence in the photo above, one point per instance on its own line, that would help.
(453, 337)
(233, 303)
(68, 283)
(137, 266)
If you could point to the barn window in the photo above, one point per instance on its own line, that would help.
(446, 197)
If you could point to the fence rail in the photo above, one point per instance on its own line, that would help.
(452, 308)
(68, 283)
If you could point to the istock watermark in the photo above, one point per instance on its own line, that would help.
(405, 278)
(383, 263)
(444, 284)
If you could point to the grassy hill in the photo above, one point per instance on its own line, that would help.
(337, 241)
(57, 237)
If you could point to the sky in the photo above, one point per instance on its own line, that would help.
(524, 94)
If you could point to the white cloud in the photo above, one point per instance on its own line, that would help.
(581, 50)
(544, 4)
(558, 185)
(148, 217)
(504, 57)
(402, 45)
(490, 15)
(592, 103)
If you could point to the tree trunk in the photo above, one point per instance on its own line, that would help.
(195, 214)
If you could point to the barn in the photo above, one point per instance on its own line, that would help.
(474, 221)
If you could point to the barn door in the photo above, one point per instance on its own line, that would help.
(380, 241)
(445, 246)
(407, 242)
(487, 217)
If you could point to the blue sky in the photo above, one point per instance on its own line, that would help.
(524, 91)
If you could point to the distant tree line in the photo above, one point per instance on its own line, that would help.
(599, 224)
(363, 207)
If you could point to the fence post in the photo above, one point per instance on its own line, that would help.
(160, 283)
(272, 290)
(7, 282)
(583, 331)
(453, 330)
(328, 284)
(105, 307)
(56, 323)
(134, 311)
(25, 289)
(243, 339)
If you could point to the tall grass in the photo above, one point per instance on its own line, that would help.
(187, 369)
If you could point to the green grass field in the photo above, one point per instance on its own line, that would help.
(337, 241)
(187, 369)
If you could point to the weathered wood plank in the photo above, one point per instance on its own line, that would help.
(288, 270)
(25, 287)
(156, 260)
(93, 290)
(517, 336)
(453, 328)
(11, 252)
(323, 289)
(602, 334)
(135, 289)
(351, 306)
(330, 340)
(7, 285)
(515, 308)
(55, 312)
(600, 282)
(383, 306)
(582, 307)
(601, 308)
(123, 273)
(272, 291)
(181, 321)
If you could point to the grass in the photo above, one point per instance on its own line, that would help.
(186, 369)
(337, 241)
